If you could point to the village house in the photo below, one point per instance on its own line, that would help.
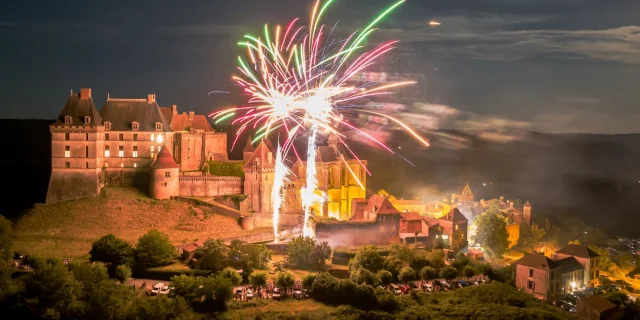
(597, 308)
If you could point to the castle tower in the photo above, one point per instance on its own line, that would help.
(526, 210)
(77, 139)
(248, 150)
(164, 176)
(259, 172)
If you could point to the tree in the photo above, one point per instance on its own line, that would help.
(438, 243)
(89, 275)
(160, 308)
(216, 290)
(492, 232)
(406, 274)
(307, 281)
(402, 252)
(232, 275)
(214, 255)
(258, 279)
(123, 273)
(436, 259)
(364, 276)
(393, 265)
(303, 252)
(385, 277)
(428, 273)
(111, 250)
(186, 286)
(53, 290)
(6, 239)
(284, 280)
(605, 261)
(537, 233)
(468, 272)
(155, 249)
(449, 273)
(367, 257)
(547, 225)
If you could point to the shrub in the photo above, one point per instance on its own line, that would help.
(406, 274)
(468, 271)
(258, 279)
(428, 273)
(385, 277)
(112, 250)
(449, 273)
(304, 252)
(155, 249)
(232, 275)
(123, 273)
(214, 255)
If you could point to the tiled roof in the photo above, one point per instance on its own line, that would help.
(77, 109)
(262, 152)
(167, 113)
(387, 208)
(410, 216)
(184, 122)
(123, 112)
(164, 160)
(409, 202)
(431, 221)
(537, 261)
(577, 250)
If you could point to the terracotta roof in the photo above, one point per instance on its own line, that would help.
(184, 122)
(577, 250)
(410, 216)
(77, 109)
(454, 215)
(249, 146)
(374, 202)
(123, 112)
(568, 265)
(164, 160)
(188, 247)
(387, 208)
(409, 202)
(598, 303)
(261, 152)
(537, 261)
(431, 221)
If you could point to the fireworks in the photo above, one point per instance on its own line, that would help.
(297, 79)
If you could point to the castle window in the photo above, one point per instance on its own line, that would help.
(135, 151)
(134, 126)
(106, 136)
(160, 138)
(86, 152)
(106, 164)
(158, 126)
(67, 152)
(106, 151)
(167, 174)
(121, 136)
(135, 137)
(152, 151)
(66, 135)
(86, 137)
(67, 164)
(120, 151)
(86, 165)
(107, 125)
(135, 165)
(67, 119)
(87, 119)
(153, 137)
(122, 165)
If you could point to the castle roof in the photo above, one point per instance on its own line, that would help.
(454, 215)
(538, 261)
(184, 121)
(249, 146)
(77, 108)
(262, 152)
(164, 160)
(527, 204)
(387, 208)
(578, 250)
(123, 112)
(167, 113)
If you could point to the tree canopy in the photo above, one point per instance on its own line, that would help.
(214, 255)
(367, 257)
(155, 249)
(492, 232)
(304, 252)
(112, 251)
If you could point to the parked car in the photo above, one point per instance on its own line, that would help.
(580, 294)
(573, 309)
(475, 283)
(622, 282)
(156, 288)
(428, 287)
(405, 289)
(165, 290)
(599, 290)
(463, 283)
(396, 289)
(558, 302)
(249, 294)
(567, 306)
(277, 294)
(413, 286)
(297, 294)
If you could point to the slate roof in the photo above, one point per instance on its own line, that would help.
(577, 250)
(167, 112)
(537, 261)
(454, 215)
(164, 160)
(568, 265)
(78, 108)
(181, 122)
(123, 112)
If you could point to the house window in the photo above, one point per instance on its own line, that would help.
(160, 138)
(106, 136)
(456, 227)
(67, 119)
(86, 152)
(135, 151)
(67, 164)
(120, 151)
(153, 137)
(167, 174)
(66, 135)
(135, 165)
(87, 120)
(106, 164)
(86, 137)
(122, 165)
(121, 136)
(530, 272)
(86, 165)
(152, 147)
(67, 152)
(135, 137)
(107, 125)
(531, 285)
(158, 126)
(134, 126)
(106, 151)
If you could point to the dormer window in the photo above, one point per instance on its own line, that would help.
(67, 119)
(87, 119)
(107, 125)
(158, 126)
(134, 125)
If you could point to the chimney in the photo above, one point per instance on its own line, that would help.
(191, 113)
(151, 98)
(85, 93)
(174, 109)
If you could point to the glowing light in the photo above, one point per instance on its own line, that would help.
(434, 23)
(160, 139)
(281, 172)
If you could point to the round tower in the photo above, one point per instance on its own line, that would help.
(164, 176)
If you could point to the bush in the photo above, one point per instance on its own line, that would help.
(449, 273)
(214, 255)
(232, 275)
(367, 257)
(385, 277)
(6, 239)
(166, 275)
(364, 276)
(258, 279)
(307, 281)
(284, 280)
(155, 249)
(112, 250)
(303, 252)
(187, 287)
(428, 273)
(406, 274)
(226, 168)
(468, 271)
(123, 273)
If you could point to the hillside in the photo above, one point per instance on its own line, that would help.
(67, 229)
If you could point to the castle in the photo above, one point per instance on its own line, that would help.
(137, 142)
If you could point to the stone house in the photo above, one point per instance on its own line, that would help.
(587, 258)
(597, 308)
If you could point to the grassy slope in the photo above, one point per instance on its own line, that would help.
(271, 309)
(67, 229)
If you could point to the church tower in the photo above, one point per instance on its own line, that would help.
(526, 210)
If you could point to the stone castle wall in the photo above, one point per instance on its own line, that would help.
(126, 177)
(209, 186)
(73, 184)
(265, 220)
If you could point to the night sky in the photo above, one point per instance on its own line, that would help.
(557, 65)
